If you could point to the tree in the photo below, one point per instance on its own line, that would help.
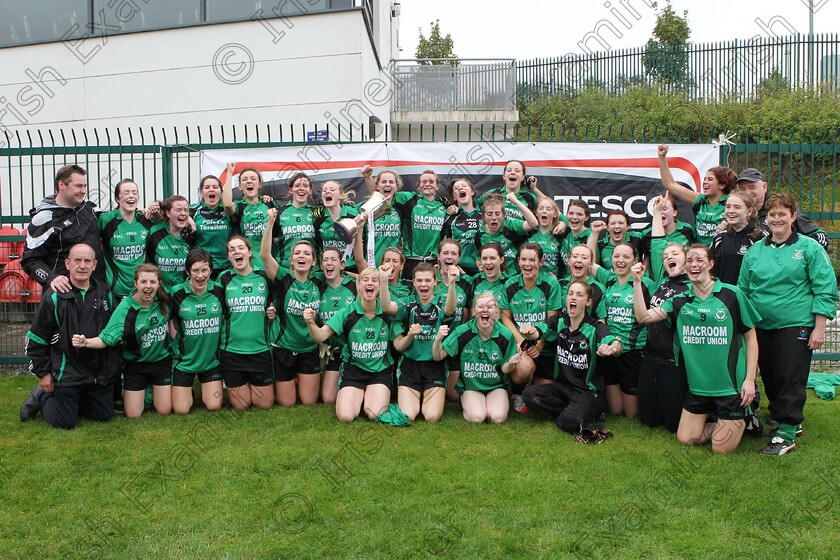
(666, 53)
(435, 46)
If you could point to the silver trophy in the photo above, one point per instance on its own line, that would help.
(376, 205)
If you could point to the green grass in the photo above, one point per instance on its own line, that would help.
(247, 485)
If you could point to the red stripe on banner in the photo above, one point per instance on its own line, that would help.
(639, 163)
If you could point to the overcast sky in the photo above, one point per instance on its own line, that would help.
(544, 28)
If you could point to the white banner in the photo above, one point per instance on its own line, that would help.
(606, 176)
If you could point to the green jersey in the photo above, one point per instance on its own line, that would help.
(325, 235)
(168, 253)
(296, 224)
(245, 329)
(463, 292)
(710, 337)
(526, 197)
(550, 244)
(510, 236)
(430, 317)
(707, 217)
(462, 227)
(249, 220)
(617, 308)
(400, 290)
(144, 331)
(333, 299)
(570, 241)
(212, 231)
(481, 360)
(367, 342)
(605, 248)
(291, 297)
(481, 284)
(528, 307)
(790, 282)
(124, 248)
(422, 221)
(198, 327)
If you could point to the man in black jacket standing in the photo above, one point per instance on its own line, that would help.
(73, 382)
(58, 222)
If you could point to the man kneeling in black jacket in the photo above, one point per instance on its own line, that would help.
(73, 381)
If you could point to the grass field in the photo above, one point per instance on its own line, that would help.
(294, 483)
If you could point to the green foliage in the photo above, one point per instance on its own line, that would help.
(777, 110)
(666, 53)
(435, 46)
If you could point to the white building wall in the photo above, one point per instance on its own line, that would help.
(199, 75)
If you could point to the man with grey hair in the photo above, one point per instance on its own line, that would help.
(751, 181)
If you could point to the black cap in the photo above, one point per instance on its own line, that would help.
(751, 174)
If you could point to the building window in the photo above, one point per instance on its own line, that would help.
(240, 10)
(24, 22)
(141, 16)
(40, 21)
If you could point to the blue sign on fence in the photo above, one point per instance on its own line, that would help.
(317, 136)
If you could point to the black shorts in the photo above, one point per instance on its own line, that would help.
(352, 376)
(137, 375)
(184, 379)
(288, 364)
(545, 367)
(724, 408)
(453, 363)
(242, 369)
(422, 375)
(622, 370)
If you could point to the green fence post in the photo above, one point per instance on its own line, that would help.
(167, 179)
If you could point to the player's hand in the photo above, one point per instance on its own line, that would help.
(662, 150)
(385, 272)
(442, 333)
(598, 226)
(560, 228)
(61, 284)
(271, 216)
(271, 312)
(454, 271)
(451, 209)
(309, 315)
(533, 352)
(367, 171)
(415, 329)
(79, 341)
(528, 331)
(231, 165)
(510, 197)
(516, 358)
(611, 349)
(532, 181)
(46, 383)
(817, 338)
(267, 199)
(747, 392)
(638, 271)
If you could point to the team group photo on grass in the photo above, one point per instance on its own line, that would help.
(500, 303)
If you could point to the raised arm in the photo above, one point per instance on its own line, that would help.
(269, 262)
(318, 334)
(668, 181)
(388, 306)
(227, 189)
(529, 217)
(438, 353)
(644, 315)
(592, 242)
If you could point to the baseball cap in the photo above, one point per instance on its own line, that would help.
(751, 174)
